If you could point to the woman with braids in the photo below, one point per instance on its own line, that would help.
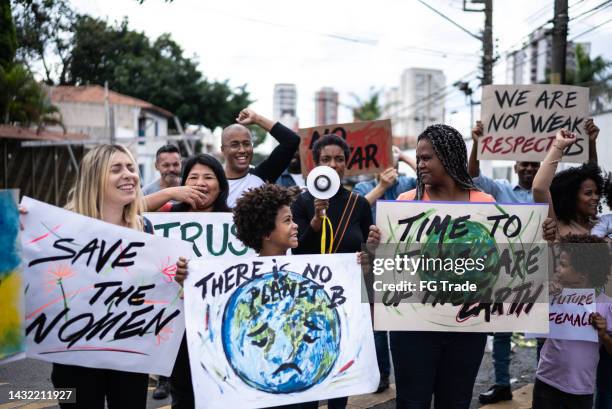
(442, 364)
(349, 213)
(204, 173)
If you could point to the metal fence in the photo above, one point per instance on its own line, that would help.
(42, 172)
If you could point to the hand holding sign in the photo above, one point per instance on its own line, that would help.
(600, 324)
(591, 129)
(388, 178)
(181, 270)
(477, 131)
(564, 138)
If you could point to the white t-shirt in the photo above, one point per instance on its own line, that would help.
(298, 179)
(238, 186)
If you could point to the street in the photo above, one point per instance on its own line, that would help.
(35, 375)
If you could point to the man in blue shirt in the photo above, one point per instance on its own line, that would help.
(386, 186)
(503, 192)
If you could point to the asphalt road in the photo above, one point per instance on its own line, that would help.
(36, 375)
(32, 374)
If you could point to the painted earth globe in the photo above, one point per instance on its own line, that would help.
(280, 334)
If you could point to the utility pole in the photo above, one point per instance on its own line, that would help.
(559, 43)
(487, 44)
(486, 38)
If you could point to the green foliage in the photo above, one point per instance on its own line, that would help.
(8, 39)
(593, 73)
(368, 110)
(44, 29)
(24, 101)
(157, 72)
(91, 51)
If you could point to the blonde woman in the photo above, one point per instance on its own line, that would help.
(107, 188)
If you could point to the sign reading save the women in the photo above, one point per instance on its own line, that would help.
(455, 266)
(520, 121)
(99, 295)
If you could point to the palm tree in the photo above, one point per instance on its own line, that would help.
(24, 101)
(594, 74)
(369, 109)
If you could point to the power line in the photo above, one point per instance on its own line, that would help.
(591, 29)
(450, 20)
(602, 6)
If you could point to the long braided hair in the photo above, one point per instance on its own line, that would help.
(449, 147)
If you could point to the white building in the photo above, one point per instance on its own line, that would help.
(140, 125)
(417, 103)
(326, 106)
(285, 101)
(532, 63)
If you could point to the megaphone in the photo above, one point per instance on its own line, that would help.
(323, 182)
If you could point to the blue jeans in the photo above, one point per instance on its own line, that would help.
(382, 352)
(442, 364)
(501, 358)
(603, 396)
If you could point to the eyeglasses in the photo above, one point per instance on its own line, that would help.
(236, 145)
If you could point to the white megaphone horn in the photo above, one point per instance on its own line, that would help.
(323, 182)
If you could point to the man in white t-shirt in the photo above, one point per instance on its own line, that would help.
(237, 149)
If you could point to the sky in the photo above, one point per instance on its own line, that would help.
(354, 46)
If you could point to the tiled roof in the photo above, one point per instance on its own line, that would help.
(95, 94)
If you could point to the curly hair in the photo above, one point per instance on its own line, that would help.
(255, 212)
(566, 184)
(607, 190)
(588, 254)
(449, 147)
(326, 140)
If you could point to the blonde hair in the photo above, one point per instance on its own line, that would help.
(88, 192)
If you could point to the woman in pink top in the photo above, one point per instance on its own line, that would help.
(444, 364)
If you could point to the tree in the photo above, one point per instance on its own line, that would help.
(44, 33)
(368, 110)
(157, 72)
(8, 39)
(24, 101)
(594, 74)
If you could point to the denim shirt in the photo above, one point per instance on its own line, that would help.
(401, 185)
(503, 191)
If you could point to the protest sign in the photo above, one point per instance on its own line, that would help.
(569, 316)
(520, 121)
(494, 252)
(370, 144)
(12, 340)
(268, 331)
(100, 295)
(212, 234)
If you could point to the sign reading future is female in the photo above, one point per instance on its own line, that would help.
(269, 331)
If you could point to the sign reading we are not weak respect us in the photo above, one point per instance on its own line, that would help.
(520, 121)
